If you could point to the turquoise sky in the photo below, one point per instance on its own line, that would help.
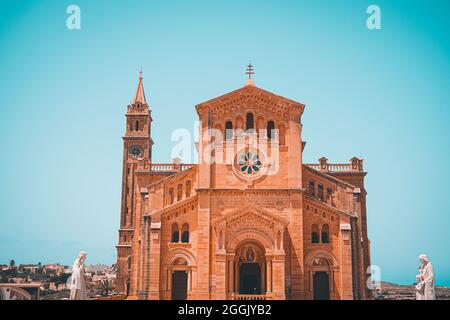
(381, 95)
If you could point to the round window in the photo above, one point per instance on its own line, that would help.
(249, 164)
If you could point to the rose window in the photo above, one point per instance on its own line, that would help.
(249, 163)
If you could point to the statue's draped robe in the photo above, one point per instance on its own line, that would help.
(419, 287)
(426, 286)
(78, 282)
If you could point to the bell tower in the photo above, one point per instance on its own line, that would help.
(137, 146)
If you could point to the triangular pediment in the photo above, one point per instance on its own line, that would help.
(248, 214)
(250, 93)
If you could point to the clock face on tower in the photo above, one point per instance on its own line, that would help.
(136, 152)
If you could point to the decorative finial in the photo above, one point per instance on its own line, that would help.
(140, 74)
(250, 72)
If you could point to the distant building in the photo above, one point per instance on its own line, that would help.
(30, 268)
(57, 269)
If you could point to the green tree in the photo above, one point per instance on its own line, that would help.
(106, 287)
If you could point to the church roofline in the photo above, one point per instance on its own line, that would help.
(296, 190)
(173, 175)
(329, 177)
(250, 89)
(346, 213)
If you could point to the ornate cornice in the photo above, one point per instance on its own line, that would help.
(249, 95)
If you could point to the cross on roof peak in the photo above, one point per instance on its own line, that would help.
(250, 71)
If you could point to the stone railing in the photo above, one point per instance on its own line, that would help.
(355, 165)
(164, 167)
(251, 297)
(170, 167)
(314, 166)
(341, 167)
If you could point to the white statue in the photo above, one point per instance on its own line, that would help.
(425, 280)
(419, 289)
(78, 281)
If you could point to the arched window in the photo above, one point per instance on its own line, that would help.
(171, 196)
(320, 193)
(271, 130)
(136, 126)
(250, 126)
(312, 188)
(129, 263)
(329, 194)
(229, 130)
(325, 234)
(315, 238)
(185, 233)
(175, 233)
(188, 188)
(179, 192)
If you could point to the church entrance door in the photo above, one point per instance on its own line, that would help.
(250, 278)
(321, 286)
(179, 285)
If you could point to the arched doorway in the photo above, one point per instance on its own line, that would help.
(321, 267)
(321, 288)
(179, 278)
(250, 268)
(321, 279)
(179, 285)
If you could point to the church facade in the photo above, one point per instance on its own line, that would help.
(250, 220)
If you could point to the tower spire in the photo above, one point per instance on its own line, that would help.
(140, 94)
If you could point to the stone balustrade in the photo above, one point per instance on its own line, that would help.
(164, 167)
(253, 297)
(355, 165)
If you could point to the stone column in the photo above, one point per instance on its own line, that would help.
(236, 276)
(294, 248)
(231, 274)
(202, 285)
(221, 268)
(263, 276)
(269, 274)
(346, 262)
(278, 278)
(155, 261)
(145, 258)
(169, 281)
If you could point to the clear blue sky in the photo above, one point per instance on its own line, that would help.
(380, 95)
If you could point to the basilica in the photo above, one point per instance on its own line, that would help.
(250, 220)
